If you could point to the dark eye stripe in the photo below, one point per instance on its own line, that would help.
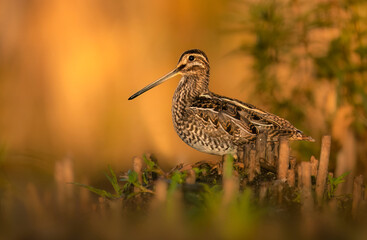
(181, 67)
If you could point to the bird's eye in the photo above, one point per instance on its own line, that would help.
(191, 58)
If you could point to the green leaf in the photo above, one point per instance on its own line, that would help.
(149, 162)
(334, 182)
(145, 180)
(114, 182)
(100, 192)
(197, 171)
(132, 176)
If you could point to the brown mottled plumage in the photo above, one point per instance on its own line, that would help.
(212, 123)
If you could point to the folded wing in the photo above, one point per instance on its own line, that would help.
(240, 120)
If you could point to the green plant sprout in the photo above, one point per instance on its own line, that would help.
(103, 193)
(333, 184)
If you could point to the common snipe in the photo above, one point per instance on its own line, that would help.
(212, 123)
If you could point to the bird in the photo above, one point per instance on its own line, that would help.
(212, 123)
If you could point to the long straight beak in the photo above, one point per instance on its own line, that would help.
(156, 83)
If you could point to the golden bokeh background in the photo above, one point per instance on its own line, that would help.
(67, 69)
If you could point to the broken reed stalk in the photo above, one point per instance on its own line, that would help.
(160, 192)
(279, 192)
(299, 176)
(307, 200)
(270, 155)
(291, 174)
(314, 166)
(291, 177)
(357, 195)
(137, 166)
(260, 147)
(263, 192)
(323, 168)
(283, 162)
(252, 165)
(191, 177)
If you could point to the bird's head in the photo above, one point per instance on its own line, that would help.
(192, 62)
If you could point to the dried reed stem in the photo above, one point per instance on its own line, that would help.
(291, 177)
(292, 162)
(291, 173)
(283, 163)
(357, 195)
(159, 202)
(299, 176)
(307, 200)
(191, 177)
(263, 192)
(252, 165)
(323, 168)
(280, 192)
(307, 209)
(137, 166)
(160, 192)
(246, 154)
(270, 156)
(314, 166)
(260, 146)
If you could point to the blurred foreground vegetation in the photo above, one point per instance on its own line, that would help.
(154, 204)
